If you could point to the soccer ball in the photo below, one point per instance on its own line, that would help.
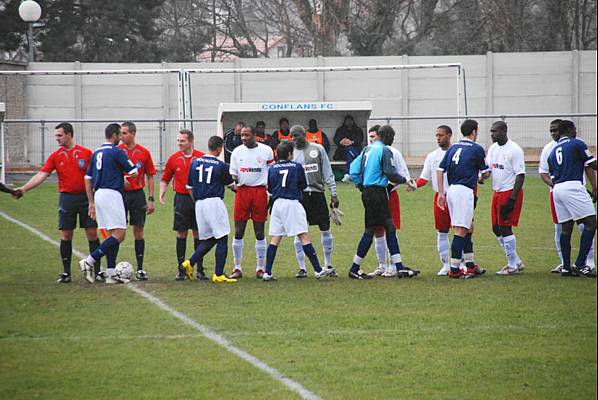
(124, 270)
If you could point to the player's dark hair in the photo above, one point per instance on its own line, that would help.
(297, 129)
(502, 125)
(66, 127)
(446, 128)
(374, 128)
(565, 126)
(260, 123)
(386, 134)
(130, 125)
(251, 129)
(283, 150)
(111, 129)
(283, 119)
(468, 126)
(187, 132)
(240, 123)
(215, 142)
(556, 121)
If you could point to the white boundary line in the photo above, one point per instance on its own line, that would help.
(203, 329)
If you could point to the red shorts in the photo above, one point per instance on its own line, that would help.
(395, 208)
(500, 198)
(442, 218)
(251, 202)
(552, 209)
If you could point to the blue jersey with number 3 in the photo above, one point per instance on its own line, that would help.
(207, 177)
(286, 180)
(462, 163)
(567, 160)
(107, 166)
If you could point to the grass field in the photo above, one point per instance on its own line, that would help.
(527, 337)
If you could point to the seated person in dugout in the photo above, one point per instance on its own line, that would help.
(348, 139)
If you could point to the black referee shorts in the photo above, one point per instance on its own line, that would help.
(375, 203)
(316, 208)
(184, 213)
(135, 206)
(71, 205)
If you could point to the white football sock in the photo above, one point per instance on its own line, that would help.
(357, 260)
(443, 246)
(299, 253)
(90, 260)
(557, 240)
(501, 242)
(590, 260)
(511, 250)
(327, 244)
(381, 251)
(260, 253)
(237, 252)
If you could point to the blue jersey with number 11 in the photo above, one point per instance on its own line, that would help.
(286, 180)
(207, 177)
(463, 162)
(567, 160)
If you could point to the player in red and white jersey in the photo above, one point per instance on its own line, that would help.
(70, 162)
(543, 170)
(507, 164)
(177, 167)
(249, 168)
(442, 218)
(134, 197)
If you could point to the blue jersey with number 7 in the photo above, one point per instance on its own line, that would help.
(463, 162)
(567, 160)
(207, 177)
(286, 180)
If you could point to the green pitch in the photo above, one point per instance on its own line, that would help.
(527, 337)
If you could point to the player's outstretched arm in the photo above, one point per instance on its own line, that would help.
(34, 182)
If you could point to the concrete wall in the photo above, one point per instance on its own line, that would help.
(505, 83)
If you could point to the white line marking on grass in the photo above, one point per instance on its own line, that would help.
(203, 329)
(100, 338)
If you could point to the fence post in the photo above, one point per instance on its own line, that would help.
(42, 129)
(161, 128)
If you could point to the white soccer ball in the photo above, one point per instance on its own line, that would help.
(124, 270)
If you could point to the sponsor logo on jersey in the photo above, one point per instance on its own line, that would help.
(497, 166)
(81, 164)
(309, 168)
(243, 169)
(313, 153)
(138, 164)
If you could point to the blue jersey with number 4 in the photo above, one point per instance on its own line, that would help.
(107, 166)
(463, 162)
(567, 160)
(207, 177)
(286, 180)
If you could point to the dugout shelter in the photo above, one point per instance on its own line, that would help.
(329, 115)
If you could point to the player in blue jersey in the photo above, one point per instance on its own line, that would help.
(286, 182)
(371, 172)
(104, 183)
(567, 163)
(207, 179)
(465, 165)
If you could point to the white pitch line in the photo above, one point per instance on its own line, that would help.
(203, 329)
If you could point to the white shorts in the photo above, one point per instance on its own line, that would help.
(288, 218)
(110, 209)
(212, 218)
(572, 201)
(460, 204)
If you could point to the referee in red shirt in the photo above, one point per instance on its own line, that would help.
(70, 162)
(136, 206)
(177, 166)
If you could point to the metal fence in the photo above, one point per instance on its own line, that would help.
(27, 143)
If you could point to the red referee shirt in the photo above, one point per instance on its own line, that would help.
(71, 166)
(142, 158)
(178, 166)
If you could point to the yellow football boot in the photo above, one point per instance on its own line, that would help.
(222, 279)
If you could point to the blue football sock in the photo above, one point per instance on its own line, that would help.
(93, 246)
(565, 242)
(104, 248)
(393, 248)
(221, 254)
(364, 244)
(199, 261)
(270, 256)
(202, 249)
(457, 250)
(468, 249)
(585, 243)
(310, 252)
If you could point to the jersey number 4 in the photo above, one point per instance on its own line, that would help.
(209, 170)
(456, 156)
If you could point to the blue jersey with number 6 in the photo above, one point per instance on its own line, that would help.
(207, 177)
(463, 162)
(286, 180)
(107, 166)
(567, 160)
